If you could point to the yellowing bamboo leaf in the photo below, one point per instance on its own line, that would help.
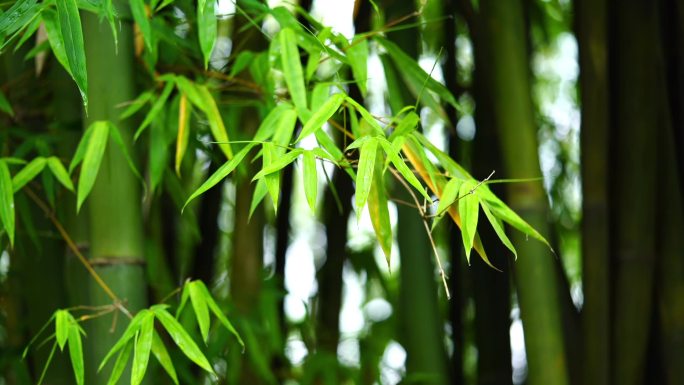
(76, 352)
(321, 116)
(120, 363)
(364, 174)
(468, 206)
(60, 172)
(143, 347)
(206, 28)
(70, 26)
(221, 173)
(218, 129)
(140, 17)
(310, 179)
(199, 304)
(97, 144)
(181, 338)
(357, 54)
(184, 112)
(377, 208)
(498, 228)
(162, 355)
(292, 69)
(27, 173)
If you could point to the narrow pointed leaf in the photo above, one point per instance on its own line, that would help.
(120, 363)
(47, 363)
(62, 319)
(272, 179)
(162, 355)
(468, 206)
(321, 116)
(279, 164)
(404, 170)
(58, 170)
(131, 330)
(449, 196)
(357, 53)
(72, 33)
(364, 174)
(310, 179)
(206, 28)
(184, 112)
(199, 304)
(218, 129)
(27, 173)
(115, 134)
(81, 149)
(76, 352)
(137, 104)
(182, 338)
(155, 110)
(213, 306)
(140, 17)
(377, 130)
(221, 173)
(377, 208)
(5, 105)
(49, 17)
(6, 201)
(143, 347)
(92, 159)
(292, 69)
(268, 126)
(406, 125)
(284, 130)
(498, 228)
(260, 191)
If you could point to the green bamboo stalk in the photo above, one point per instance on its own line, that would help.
(592, 30)
(116, 235)
(502, 43)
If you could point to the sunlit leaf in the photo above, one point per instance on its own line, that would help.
(76, 352)
(181, 338)
(140, 17)
(272, 179)
(97, 144)
(292, 69)
(70, 26)
(468, 207)
(321, 116)
(268, 125)
(260, 191)
(62, 319)
(27, 173)
(218, 129)
(319, 95)
(364, 174)
(404, 170)
(143, 346)
(221, 173)
(498, 228)
(279, 164)
(206, 28)
(162, 355)
(377, 130)
(199, 304)
(120, 363)
(357, 53)
(310, 179)
(60, 172)
(155, 110)
(184, 112)
(6, 201)
(405, 125)
(377, 208)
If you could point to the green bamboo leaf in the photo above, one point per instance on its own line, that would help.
(70, 26)
(62, 320)
(155, 110)
(449, 195)
(468, 205)
(321, 115)
(16, 16)
(312, 63)
(272, 179)
(377, 208)
(162, 355)
(405, 125)
(181, 338)
(364, 174)
(97, 144)
(140, 17)
(76, 352)
(199, 304)
(221, 173)
(218, 129)
(329, 145)
(129, 333)
(189, 89)
(310, 179)
(213, 306)
(81, 149)
(120, 363)
(377, 130)
(5, 105)
(206, 28)
(450, 165)
(143, 346)
(27, 173)
(60, 172)
(6, 201)
(358, 143)
(241, 62)
(403, 169)
(49, 17)
(498, 228)
(292, 69)
(357, 54)
(268, 126)
(260, 191)
(319, 95)
(185, 295)
(284, 131)
(278, 164)
(137, 104)
(115, 134)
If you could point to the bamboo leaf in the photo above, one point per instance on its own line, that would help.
(321, 115)
(213, 306)
(364, 174)
(468, 206)
(260, 191)
(76, 352)
(292, 70)
(357, 54)
(221, 173)
(377, 208)
(279, 164)
(70, 26)
(199, 304)
(81, 149)
(140, 17)
(319, 95)
(162, 355)
(377, 130)
(143, 346)
(5, 105)
(92, 159)
(405, 125)
(60, 172)
(156, 108)
(120, 363)
(498, 228)
(27, 173)
(16, 16)
(268, 126)
(404, 170)
(115, 134)
(129, 333)
(62, 319)
(188, 88)
(272, 179)
(310, 179)
(284, 130)
(55, 39)
(137, 104)
(206, 28)
(6, 201)
(181, 338)
(184, 112)
(218, 129)
(329, 145)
